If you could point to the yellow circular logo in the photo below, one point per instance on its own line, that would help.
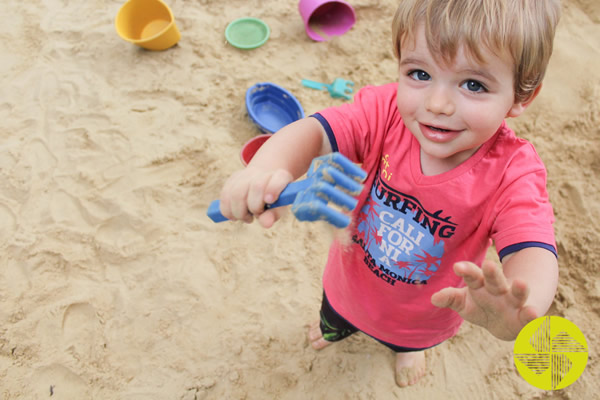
(550, 353)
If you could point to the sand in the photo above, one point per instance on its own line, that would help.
(115, 285)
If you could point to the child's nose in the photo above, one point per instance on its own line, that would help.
(439, 100)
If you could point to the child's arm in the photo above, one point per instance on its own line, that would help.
(503, 300)
(280, 160)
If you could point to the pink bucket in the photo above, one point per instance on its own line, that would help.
(324, 19)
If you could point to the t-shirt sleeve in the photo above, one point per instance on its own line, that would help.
(522, 210)
(354, 129)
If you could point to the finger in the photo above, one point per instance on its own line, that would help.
(494, 279)
(256, 194)
(233, 198)
(239, 208)
(527, 314)
(275, 185)
(227, 205)
(266, 219)
(225, 200)
(470, 273)
(520, 293)
(453, 298)
(225, 208)
(270, 216)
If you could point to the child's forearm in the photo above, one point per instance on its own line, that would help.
(538, 268)
(293, 147)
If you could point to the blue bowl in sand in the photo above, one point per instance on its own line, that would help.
(272, 107)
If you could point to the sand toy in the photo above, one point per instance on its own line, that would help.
(247, 33)
(147, 23)
(251, 147)
(338, 88)
(324, 19)
(272, 107)
(330, 179)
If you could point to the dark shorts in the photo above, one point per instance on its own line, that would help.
(335, 328)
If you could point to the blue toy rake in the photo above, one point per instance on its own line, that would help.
(330, 179)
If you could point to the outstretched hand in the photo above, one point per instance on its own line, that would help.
(488, 299)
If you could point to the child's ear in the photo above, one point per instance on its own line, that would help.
(518, 108)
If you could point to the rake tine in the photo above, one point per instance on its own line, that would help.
(319, 211)
(340, 162)
(311, 196)
(349, 87)
(335, 177)
(328, 193)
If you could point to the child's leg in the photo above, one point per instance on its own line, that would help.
(410, 363)
(410, 367)
(331, 327)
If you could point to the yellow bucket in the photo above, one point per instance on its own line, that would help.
(147, 23)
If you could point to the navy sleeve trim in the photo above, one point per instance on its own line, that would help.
(523, 245)
(328, 130)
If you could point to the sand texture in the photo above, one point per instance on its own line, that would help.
(115, 285)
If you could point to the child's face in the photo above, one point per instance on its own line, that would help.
(453, 109)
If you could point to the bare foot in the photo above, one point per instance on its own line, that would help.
(315, 337)
(410, 367)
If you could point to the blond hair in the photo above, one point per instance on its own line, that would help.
(522, 28)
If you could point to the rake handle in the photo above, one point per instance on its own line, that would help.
(315, 85)
(287, 197)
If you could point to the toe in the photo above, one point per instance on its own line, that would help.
(315, 336)
(410, 368)
(402, 377)
(319, 344)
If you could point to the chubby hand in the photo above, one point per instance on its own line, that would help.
(246, 193)
(488, 299)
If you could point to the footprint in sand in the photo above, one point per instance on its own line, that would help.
(121, 236)
(52, 92)
(8, 223)
(40, 158)
(59, 382)
(573, 195)
(66, 209)
(81, 331)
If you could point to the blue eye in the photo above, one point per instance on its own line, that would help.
(474, 86)
(419, 75)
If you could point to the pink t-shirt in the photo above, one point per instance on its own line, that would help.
(409, 229)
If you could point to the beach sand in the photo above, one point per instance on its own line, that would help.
(115, 285)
